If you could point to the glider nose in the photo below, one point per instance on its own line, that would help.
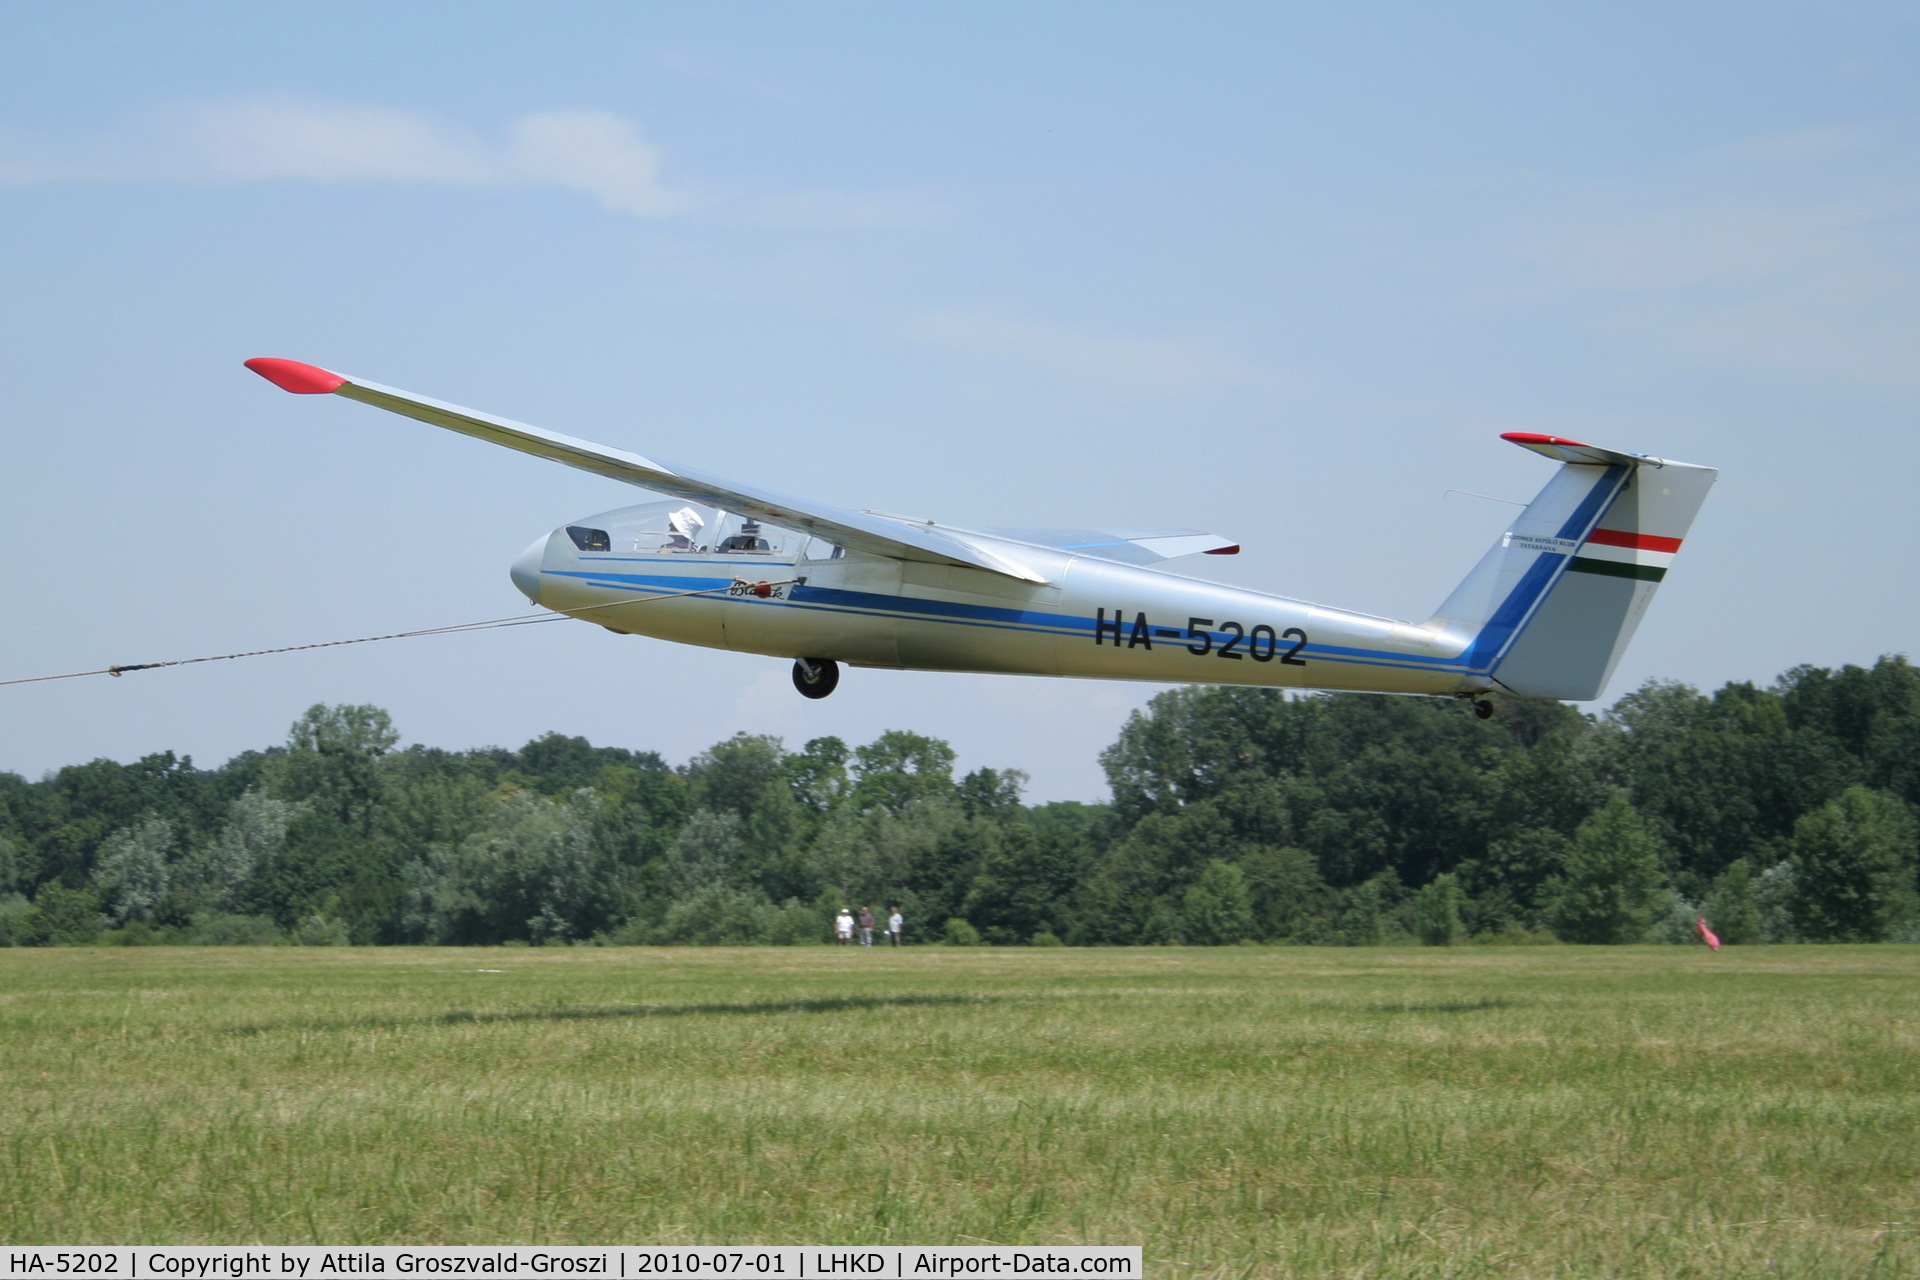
(526, 568)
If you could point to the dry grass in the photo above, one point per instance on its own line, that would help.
(1656, 1112)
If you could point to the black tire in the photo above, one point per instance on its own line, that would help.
(815, 677)
(1483, 709)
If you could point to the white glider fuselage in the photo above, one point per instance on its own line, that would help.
(1089, 616)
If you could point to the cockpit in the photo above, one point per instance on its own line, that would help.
(748, 540)
(676, 528)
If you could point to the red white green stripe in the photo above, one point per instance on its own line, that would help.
(1617, 553)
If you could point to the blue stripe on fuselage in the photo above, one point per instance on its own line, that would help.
(940, 610)
(868, 603)
(1487, 645)
(664, 582)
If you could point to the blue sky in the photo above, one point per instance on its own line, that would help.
(1284, 272)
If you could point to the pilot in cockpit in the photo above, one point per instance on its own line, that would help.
(748, 539)
(682, 527)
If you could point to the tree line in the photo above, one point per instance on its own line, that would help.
(1781, 814)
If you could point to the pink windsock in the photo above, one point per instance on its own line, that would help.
(1707, 935)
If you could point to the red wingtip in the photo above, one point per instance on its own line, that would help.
(1534, 437)
(1233, 550)
(291, 375)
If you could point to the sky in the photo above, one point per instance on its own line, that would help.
(1281, 271)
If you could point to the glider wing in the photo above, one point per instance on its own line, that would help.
(855, 530)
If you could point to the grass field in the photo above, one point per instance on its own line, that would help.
(1646, 1112)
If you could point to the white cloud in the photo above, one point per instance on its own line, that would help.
(261, 139)
(595, 152)
(276, 138)
(265, 139)
(1156, 365)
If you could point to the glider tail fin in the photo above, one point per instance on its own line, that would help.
(1550, 609)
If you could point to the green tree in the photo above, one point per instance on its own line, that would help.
(1029, 866)
(818, 775)
(60, 916)
(898, 768)
(418, 807)
(331, 761)
(1505, 886)
(1732, 907)
(1854, 864)
(13, 865)
(213, 876)
(1288, 895)
(1195, 742)
(747, 776)
(738, 776)
(991, 793)
(1133, 893)
(646, 782)
(644, 806)
(709, 852)
(1871, 716)
(1435, 911)
(718, 915)
(81, 805)
(871, 857)
(14, 909)
(1717, 777)
(1774, 893)
(1024, 880)
(319, 929)
(560, 765)
(958, 933)
(1365, 784)
(1363, 920)
(1216, 910)
(131, 874)
(530, 874)
(1553, 783)
(1612, 888)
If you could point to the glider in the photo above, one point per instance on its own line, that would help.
(1547, 612)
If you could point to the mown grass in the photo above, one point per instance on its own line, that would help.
(1647, 1112)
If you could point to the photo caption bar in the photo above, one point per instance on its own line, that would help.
(624, 1262)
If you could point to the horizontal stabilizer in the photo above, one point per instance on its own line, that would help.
(1128, 548)
(1573, 451)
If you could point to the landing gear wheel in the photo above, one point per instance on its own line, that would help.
(1481, 708)
(815, 677)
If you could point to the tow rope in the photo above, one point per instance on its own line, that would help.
(738, 586)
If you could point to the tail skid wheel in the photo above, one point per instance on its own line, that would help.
(815, 677)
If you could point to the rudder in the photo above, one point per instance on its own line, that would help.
(1551, 608)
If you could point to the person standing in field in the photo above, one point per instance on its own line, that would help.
(866, 926)
(895, 923)
(843, 928)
